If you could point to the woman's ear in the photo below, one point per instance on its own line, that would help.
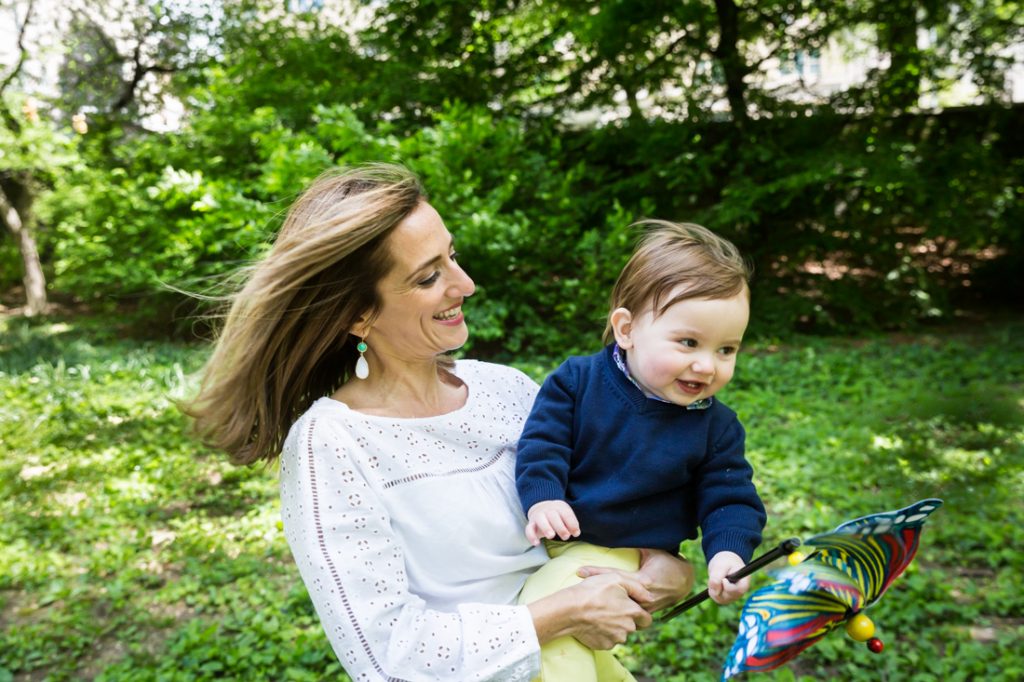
(622, 326)
(362, 326)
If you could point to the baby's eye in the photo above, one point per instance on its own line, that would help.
(689, 343)
(728, 350)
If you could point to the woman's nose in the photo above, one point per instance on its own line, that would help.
(462, 285)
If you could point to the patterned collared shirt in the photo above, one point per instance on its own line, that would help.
(702, 404)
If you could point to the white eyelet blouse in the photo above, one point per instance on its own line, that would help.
(408, 534)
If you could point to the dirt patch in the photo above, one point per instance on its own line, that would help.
(994, 628)
(149, 641)
(14, 604)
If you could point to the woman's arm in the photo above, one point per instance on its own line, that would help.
(600, 611)
(668, 577)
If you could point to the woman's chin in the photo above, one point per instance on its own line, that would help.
(455, 344)
(455, 348)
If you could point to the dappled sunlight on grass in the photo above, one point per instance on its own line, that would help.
(131, 552)
(107, 502)
(255, 531)
(132, 488)
(836, 430)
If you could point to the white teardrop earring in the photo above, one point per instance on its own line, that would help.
(362, 366)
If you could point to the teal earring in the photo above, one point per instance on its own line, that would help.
(362, 366)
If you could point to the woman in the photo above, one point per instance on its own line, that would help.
(397, 489)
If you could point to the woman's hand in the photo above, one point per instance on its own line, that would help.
(668, 578)
(600, 612)
(610, 610)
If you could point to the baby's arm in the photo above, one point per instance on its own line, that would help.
(542, 459)
(550, 518)
(730, 511)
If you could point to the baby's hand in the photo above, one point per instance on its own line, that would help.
(550, 518)
(721, 589)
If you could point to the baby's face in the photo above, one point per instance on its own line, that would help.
(688, 352)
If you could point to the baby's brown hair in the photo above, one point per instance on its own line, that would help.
(670, 255)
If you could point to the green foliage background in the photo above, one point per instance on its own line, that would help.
(859, 212)
(132, 554)
(901, 209)
(885, 230)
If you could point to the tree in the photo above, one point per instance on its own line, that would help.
(17, 178)
(115, 66)
(476, 96)
(118, 57)
(928, 47)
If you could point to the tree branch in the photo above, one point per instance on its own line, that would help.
(8, 116)
(128, 92)
(669, 50)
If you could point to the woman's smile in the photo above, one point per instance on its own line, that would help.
(452, 316)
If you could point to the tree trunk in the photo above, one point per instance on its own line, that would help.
(20, 225)
(635, 114)
(901, 84)
(733, 67)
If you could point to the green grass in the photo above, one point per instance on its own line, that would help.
(128, 552)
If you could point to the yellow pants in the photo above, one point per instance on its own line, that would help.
(565, 659)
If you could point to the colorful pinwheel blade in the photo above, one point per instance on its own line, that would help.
(848, 570)
(740, 661)
(874, 549)
(784, 618)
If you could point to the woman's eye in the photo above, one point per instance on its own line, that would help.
(430, 280)
(454, 255)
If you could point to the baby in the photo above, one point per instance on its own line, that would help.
(629, 448)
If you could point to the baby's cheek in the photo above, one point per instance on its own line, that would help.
(664, 371)
(647, 373)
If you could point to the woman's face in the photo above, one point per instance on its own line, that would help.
(421, 297)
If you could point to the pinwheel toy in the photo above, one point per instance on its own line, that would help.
(843, 573)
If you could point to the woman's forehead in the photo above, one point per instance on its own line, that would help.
(419, 238)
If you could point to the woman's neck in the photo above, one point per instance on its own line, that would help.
(412, 390)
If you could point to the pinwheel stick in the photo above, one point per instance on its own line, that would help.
(784, 548)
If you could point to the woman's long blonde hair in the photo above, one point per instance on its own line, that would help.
(286, 340)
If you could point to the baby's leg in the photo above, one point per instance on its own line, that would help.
(565, 659)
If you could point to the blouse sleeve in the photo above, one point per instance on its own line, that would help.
(353, 567)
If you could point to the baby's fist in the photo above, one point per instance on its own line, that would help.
(720, 588)
(550, 518)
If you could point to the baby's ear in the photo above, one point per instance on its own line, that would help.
(622, 326)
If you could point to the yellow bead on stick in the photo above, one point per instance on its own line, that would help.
(795, 558)
(860, 628)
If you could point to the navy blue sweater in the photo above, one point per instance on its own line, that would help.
(637, 472)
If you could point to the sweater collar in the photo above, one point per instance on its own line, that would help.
(620, 361)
